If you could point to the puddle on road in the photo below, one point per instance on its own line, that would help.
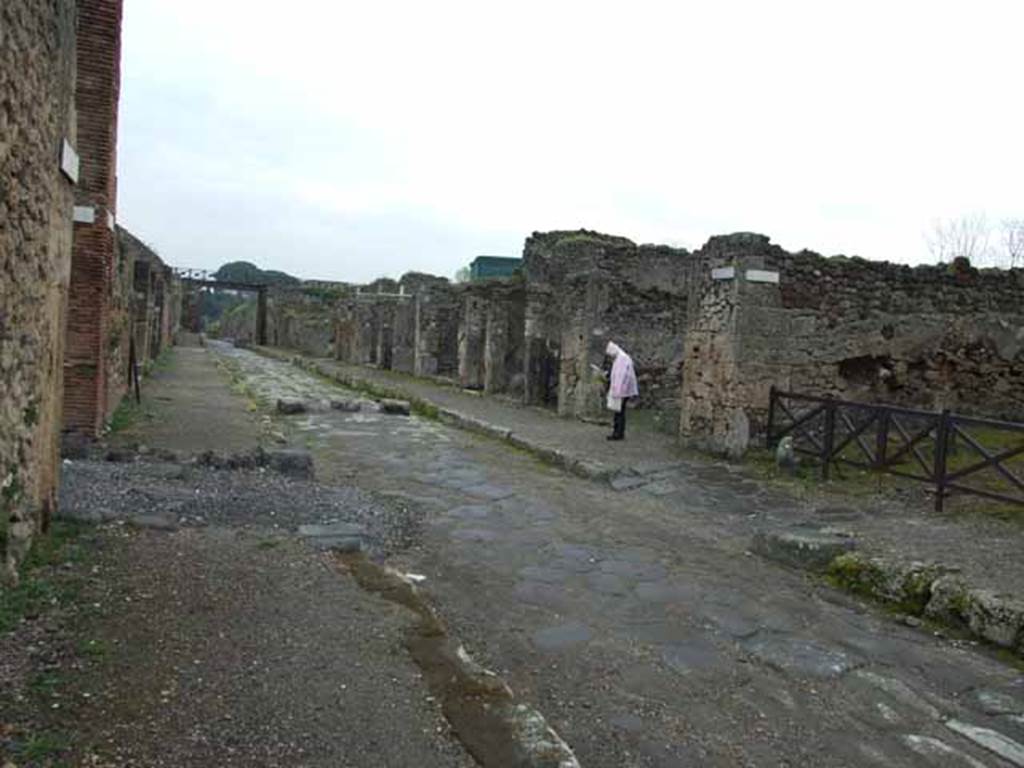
(484, 714)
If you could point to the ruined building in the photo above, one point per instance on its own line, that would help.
(38, 170)
(80, 298)
(711, 331)
(932, 337)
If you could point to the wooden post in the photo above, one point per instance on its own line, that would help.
(942, 433)
(261, 317)
(881, 439)
(828, 444)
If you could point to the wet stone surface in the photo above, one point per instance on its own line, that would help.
(639, 612)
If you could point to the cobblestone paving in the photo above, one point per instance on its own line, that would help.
(639, 624)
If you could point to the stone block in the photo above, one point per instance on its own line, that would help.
(807, 548)
(337, 537)
(347, 406)
(291, 463)
(396, 407)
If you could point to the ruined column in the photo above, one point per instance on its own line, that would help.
(472, 327)
(729, 367)
(437, 330)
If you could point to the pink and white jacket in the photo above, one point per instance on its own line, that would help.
(623, 383)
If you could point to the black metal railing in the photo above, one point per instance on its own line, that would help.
(952, 452)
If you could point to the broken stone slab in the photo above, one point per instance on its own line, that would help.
(993, 741)
(930, 747)
(347, 406)
(337, 537)
(654, 467)
(799, 657)
(808, 548)
(396, 407)
(996, 618)
(290, 407)
(591, 470)
(291, 463)
(909, 585)
(624, 482)
(156, 522)
(998, 702)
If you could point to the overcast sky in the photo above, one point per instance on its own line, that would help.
(347, 140)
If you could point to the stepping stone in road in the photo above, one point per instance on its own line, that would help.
(339, 537)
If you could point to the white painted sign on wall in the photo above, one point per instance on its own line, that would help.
(762, 276)
(69, 161)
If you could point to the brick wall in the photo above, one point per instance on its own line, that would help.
(96, 323)
(36, 117)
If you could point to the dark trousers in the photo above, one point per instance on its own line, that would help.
(619, 421)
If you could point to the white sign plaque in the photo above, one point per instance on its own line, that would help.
(69, 161)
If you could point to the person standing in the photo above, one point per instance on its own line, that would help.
(622, 386)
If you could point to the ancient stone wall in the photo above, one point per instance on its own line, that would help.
(931, 337)
(585, 289)
(377, 325)
(946, 336)
(37, 116)
(491, 335)
(96, 324)
(437, 331)
(155, 291)
(299, 317)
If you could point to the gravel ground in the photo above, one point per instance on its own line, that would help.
(220, 640)
(184, 495)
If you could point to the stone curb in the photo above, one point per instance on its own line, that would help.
(574, 464)
(536, 743)
(920, 590)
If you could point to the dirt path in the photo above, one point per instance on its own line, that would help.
(201, 631)
(639, 624)
(188, 406)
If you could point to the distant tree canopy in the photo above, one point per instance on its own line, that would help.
(218, 302)
(247, 272)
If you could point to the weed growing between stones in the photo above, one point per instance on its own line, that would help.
(39, 588)
(45, 623)
(127, 415)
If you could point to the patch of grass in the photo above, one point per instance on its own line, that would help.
(45, 684)
(1009, 658)
(96, 649)
(855, 574)
(38, 587)
(127, 414)
(44, 746)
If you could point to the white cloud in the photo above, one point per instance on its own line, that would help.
(842, 128)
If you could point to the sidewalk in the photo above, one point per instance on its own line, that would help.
(963, 571)
(576, 446)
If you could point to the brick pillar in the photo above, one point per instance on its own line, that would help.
(86, 359)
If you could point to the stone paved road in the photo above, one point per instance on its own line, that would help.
(899, 524)
(639, 624)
